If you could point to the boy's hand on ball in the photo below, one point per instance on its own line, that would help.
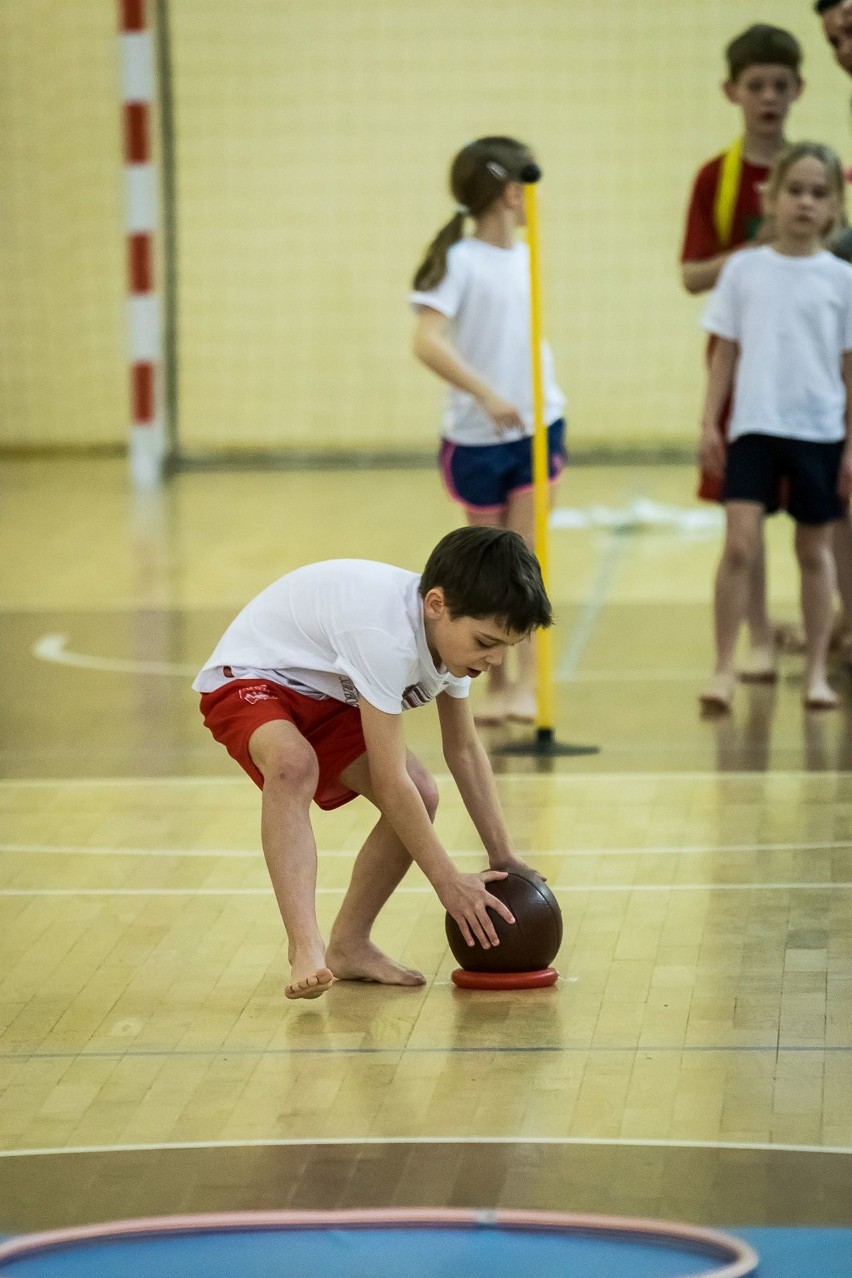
(467, 899)
(514, 865)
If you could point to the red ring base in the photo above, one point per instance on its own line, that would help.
(504, 980)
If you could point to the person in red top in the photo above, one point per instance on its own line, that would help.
(725, 215)
(704, 251)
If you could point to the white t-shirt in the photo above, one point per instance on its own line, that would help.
(792, 319)
(486, 295)
(346, 628)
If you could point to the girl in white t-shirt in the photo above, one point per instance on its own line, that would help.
(782, 314)
(472, 298)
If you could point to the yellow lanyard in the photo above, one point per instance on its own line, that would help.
(727, 191)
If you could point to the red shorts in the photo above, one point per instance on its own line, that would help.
(333, 729)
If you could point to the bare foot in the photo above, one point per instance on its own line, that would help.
(789, 637)
(759, 666)
(310, 984)
(492, 712)
(364, 962)
(820, 696)
(521, 706)
(839, 635)
(717, 695)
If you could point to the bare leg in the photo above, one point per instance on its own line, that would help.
(521, 519)
(379, 868)
(743, 532)
(522, 702)
(843, 567)
(290, 772)
(816, 564)
(759, 666)
(492, 711)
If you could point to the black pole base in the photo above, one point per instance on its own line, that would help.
(544, 744)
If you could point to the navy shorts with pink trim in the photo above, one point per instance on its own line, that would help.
(484, 476)
(236, 710)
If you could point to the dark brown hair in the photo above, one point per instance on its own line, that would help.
(763, 45)
(489, 572)
(478, 176)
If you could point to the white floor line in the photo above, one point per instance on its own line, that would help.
(52, 648)
(701, 849)
(827, 886)
(580, 633)
(513, 778)
(618, 1142)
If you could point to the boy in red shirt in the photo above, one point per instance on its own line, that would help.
(724, 216)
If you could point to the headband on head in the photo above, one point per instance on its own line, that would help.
(529, 173)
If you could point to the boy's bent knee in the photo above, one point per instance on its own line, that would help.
(427, 788)
(284, 757)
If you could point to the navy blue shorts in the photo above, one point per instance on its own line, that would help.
(757, 465)
(484, 476)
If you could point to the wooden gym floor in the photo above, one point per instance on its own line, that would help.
(695, 1059)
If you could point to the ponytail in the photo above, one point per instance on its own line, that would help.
(478, 177)
(433, 268)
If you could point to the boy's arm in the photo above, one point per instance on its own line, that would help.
(434, 349)
(464, 896)
(844, 483)
(702, 253)
(700, 275)
(722, 364)
(702, 256)
(471, 770)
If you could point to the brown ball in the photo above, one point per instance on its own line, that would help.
(528, 944)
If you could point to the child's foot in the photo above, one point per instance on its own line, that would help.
(839, 635)
(362, 961)
(492, 711)
(820, 696)
(521, 705)
(789, 637)
(309, 984)
(717, 695)
(759, 666)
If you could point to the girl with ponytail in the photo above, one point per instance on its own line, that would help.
(471, 298)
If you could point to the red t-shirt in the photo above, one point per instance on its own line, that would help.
(701, 239)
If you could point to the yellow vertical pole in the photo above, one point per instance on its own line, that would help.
(541, 491)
